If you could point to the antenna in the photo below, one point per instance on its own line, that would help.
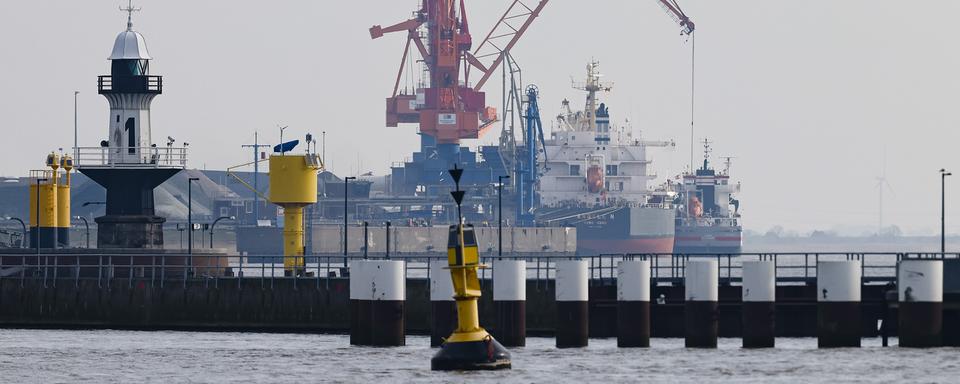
(130, 10)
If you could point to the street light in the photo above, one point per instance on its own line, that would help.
(190, 216)
(76, 148)
(943, 209)
(23, 228)
(87, 226)
(215, 224)
(346, 190)
(500, 214)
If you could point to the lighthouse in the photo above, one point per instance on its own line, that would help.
(127, 163)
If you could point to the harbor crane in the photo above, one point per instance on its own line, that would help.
(447, 107)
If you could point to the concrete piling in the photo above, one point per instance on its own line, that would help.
(377, 294)
(838, 304)
(759, 302)
(572, 295)
(510, 301)
(443, 309)
(633, 303)
(920, 286)
(700, 311)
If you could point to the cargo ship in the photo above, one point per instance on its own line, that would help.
(708, 214)
(596, 179)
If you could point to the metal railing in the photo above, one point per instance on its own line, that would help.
(130, 84)
(162, 269)
(131, 157)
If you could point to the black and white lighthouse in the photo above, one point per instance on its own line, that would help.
(128, 164)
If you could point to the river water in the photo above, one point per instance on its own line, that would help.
(103, 356)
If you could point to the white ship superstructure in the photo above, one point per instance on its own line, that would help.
(596, 177)
(590, 162)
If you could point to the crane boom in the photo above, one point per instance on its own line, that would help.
(447, 107)
(673, 9)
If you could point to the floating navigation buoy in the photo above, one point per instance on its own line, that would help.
(470, 347)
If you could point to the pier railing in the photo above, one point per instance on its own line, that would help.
(164, 269)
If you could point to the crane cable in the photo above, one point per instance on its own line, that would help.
(693, 55)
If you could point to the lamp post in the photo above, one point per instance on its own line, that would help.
(190, 216)
(23, 229)
(943, 209)
(500, 214)
(212, 226)
(366, 240)
(346, 193)
(388, 240)
(86, 225)
(76, 148)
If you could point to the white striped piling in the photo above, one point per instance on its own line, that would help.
(572, 295)
(838, 304)
(701, 292)
(920, 287)
(510, 302)
(443, 309)
(759, 302)
(633, 304)
(377, 294)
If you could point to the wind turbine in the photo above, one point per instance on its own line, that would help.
(881, 185)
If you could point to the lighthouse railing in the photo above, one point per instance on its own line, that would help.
(131, 157)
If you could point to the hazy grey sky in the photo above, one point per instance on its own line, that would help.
(805, 94)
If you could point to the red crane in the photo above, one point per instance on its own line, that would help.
(447, 108)
(673, 9)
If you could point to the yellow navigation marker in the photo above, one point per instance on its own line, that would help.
(470, 347)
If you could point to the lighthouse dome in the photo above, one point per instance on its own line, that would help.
(130, 45)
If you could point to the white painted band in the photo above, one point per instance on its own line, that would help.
(441, 284)
(702, 280)
(509, 280)
(633, 280)
(572, 280)
(759, 281)
(377, 280)
(920, 281)
(838, 281)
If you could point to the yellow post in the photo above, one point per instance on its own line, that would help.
(293, 185)
(63, 201)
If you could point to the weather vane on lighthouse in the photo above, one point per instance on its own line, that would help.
(129, 10)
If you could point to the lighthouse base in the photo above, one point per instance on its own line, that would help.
(129, 231)
(479, 355)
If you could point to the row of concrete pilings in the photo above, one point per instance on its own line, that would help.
(377, 293)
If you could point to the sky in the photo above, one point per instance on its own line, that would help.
(811, 98)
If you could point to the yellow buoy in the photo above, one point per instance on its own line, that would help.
(470, 347)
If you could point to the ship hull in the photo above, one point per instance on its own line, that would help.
(708, 240)
(626, 230)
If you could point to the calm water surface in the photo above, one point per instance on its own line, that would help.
(47, 356)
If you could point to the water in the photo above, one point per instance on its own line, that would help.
(51, 356)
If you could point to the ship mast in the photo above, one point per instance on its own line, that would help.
(592, 85)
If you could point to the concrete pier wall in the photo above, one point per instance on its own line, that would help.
(321, 305)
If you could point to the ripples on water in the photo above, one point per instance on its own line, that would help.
(45, 356)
